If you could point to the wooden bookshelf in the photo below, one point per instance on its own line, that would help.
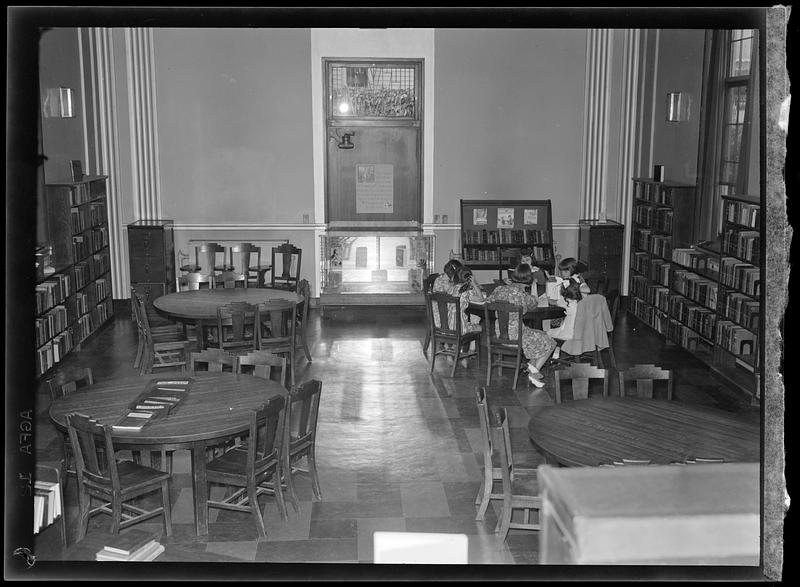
(702, 297)
(495, 234)
(73, 300)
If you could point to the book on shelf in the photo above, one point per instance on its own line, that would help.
(131, 541)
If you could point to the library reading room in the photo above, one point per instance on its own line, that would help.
(484, 298)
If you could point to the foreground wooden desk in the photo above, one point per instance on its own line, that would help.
(216, 409)
(645, 515)
(200, 306)
(591, 432)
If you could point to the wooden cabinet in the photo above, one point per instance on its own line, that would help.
(151, 250)
(646, 515)
(73, 296)
(495, 234)
(600, 247)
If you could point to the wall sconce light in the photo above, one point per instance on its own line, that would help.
(678, 106)
(58, 103)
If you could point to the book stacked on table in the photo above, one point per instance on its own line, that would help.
(133, 545)
(158, 400)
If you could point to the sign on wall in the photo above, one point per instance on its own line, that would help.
(374, 188)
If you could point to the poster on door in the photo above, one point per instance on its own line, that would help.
(374, 188)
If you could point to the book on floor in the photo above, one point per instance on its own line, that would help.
(130, 541)
(148, 552)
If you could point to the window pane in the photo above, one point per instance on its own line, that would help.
(383, 91)
(727, 173)
(730, 142)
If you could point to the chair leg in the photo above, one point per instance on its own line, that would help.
(289, 479)
(613, 360)
(312, 469)
(517, 366)
(116, 514)
(427, 342)
(488, 366)
(84, 505)
(484, 497)
(165, 499)
(433, 354)
(279, 501)
(456, 359)
(252, 497)
(505, 520)
(139, 352)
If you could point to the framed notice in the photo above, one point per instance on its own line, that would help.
(479, 217)
(531, 216)
(374, 188)
(505, 218)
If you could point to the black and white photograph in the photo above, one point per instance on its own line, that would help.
(557, 353)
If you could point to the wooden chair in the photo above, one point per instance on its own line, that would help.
(427, 288)
(114, 483)
(216, 360)
(230, 280)
(165, 352)
(261, 364)
(64, 382)
(612, 299)
(196, 280)
(286, 260)
(248, 256)
(492, 474)
(639, 381)
(276, 330)
(210, 259)
(502, 349)
(300, 437)
(237, 325)
(249, 466)
(164, 331)
(258, 270)
(593, 324)
(301, 342)
(444, 334)
(520, 492)
(579, 376)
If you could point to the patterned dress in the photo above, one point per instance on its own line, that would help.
(535, 343)
(469, 323)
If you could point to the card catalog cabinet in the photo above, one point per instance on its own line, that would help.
(151, 251)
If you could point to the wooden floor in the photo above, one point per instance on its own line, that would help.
(397, 448)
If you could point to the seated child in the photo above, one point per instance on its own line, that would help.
(570, 296)
(570, 269)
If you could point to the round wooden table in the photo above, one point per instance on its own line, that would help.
(592, 431)
(532, 318)
(215, 410)
(200, 306)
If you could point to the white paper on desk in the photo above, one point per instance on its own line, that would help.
(554, 289)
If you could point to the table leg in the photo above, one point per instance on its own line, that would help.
(200, 487)
(201, 335)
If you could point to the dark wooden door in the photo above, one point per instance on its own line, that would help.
(358, 178)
